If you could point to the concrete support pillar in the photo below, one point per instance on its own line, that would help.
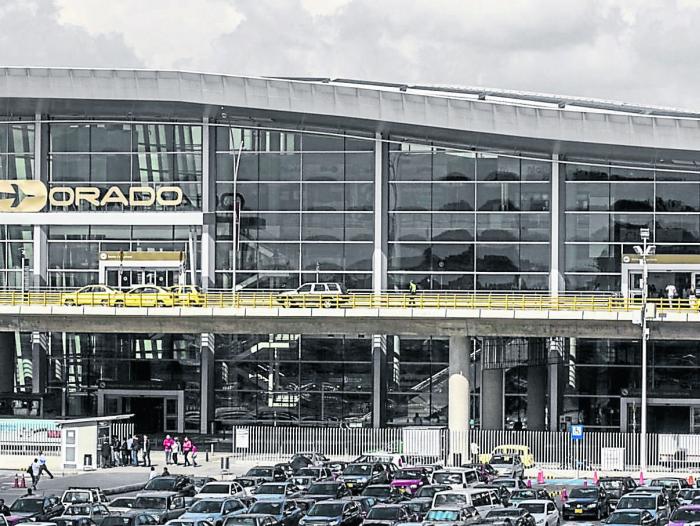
(556, 385)
(40, 364)
(459, 390)
(492, 399)
(207, 246)
(536, 397)
(39, 263)
(556, 235)
(8, 360)
(379, 381)
(206, 379)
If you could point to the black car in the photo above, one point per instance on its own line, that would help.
(366, 503)
(430, 490)
(616, 487)
(73, 521)
(512, 516)
(327, 489)
(388, 515)
(130, 519)
(384, 493)
(37, 509)
(359, 475)
(584, 502)
(267, 474)
(250, 519)
(419, 506)
(180, 484)
(336, 467)
(333, 513)
(630, 518)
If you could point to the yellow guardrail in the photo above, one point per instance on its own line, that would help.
(426, 300)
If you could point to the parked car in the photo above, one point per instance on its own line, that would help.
(303, 483)
(511, 517)
(333, 513)
(617, 487)
(250, 519)
(275, 491)
(37, 509)
(200, 482)
(584, 502)
(508, 466)
(518, 495)
(178, 522)
(267, 474)
(70, 521)
(317, 472)
(430, 490)
(509, 484)
(384, 493)
(146, 296)
(286, 512)
(358, 476)
(214, 510)
(483, 500)
(366, 503)
(82, 495)
(654, 503)
(187, 296)
(314, 295)
(420, 506)
(686, 496)
(92, 510)
(630, 518)
(684, 515)
(451, 516)
(121, 504)
(180, 484)
(486, 472)
(130, 519)
(327, 490)
(388, 515)
(408, 480)
(456, 477)
(545, 512)
(164, 505)
(522, 451)
(93, 295)
(227, 488)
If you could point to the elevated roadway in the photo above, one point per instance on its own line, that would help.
(352, 314)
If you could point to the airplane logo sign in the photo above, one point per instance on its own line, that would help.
(22, 196)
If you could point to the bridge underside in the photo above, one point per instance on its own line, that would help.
(401, 322)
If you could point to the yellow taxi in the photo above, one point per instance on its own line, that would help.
(526, 457)
(187, 296)
(93, 295)
(146, 296)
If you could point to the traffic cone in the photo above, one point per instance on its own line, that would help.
(22, 482)
(540, 477)
(16, 484)
(529, 483)
(596, 480)
(641, 478)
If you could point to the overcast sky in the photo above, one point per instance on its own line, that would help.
(638, 51)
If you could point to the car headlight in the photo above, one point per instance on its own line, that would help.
(363, 480)
(591, 506)
(211, 519)
(414, 486)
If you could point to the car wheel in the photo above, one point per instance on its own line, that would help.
(119, 303)
(160, 303)
(327, 304)
(104, 303)
(69, 303)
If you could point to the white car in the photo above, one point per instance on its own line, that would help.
(228, 488)
(314, 295)
(544, 511)
(121, 504)
(484, 500)
(456, 478)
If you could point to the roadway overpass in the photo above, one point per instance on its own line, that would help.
(396, 314)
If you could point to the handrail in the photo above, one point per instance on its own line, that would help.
(421, 300)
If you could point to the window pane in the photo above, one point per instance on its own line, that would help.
(359, 227)
(279, 167)
(453, 281)
(70, 168)
(680, 228)
(453, 257)
(453, 166)
(70, 137)
(409, 197)
(323, 166)
(154, 138)
(110, 138)
(535, 170)
(359, 166)
(592, 282)
(359, 197)
(277, 196)
(632, 197)
(358, 256)
(117, 168)
(321, 143)
(497, 258)
(498, 227)
(534, 227)
(21, 139)
(277, 227)
(409, 227)
(585, 196)
(453, 227)
(587, 227)
(448, 196)
(677, 197)
(625, 227)
(329, 256)
(534, 258)
(534, 197)
(322, 227)
(269, 256)
(409, 257)
(498, 196)
(592, 258)
(410, 166)
(497, 168)
(622, 173)
(581, 172)
(324, 197)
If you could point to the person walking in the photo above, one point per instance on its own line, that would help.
(412, 289)
(176, 449)
(194, 455)
(116, 453)
(106, 453)
(42, 462)
(146, 446)
(152, 474)
(125, 452)
(186, 448)
(135, 447)
(168, 448)
(35, 472)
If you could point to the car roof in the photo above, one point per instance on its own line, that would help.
(689, 507)
(448, 507)
(453, 470)
(216, 499)
(156, 494)
(535, 501)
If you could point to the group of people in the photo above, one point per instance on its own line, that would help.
(173, 447)
(37, 468)
(130, 451)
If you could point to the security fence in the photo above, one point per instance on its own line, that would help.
(605, 451)
(29, 437)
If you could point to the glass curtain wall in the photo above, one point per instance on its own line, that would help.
(467, 221)
(306, 209)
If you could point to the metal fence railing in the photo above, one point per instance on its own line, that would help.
(607, 451)
(25, 438)
(270, 299)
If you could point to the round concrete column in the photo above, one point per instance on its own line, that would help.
(7, 362)
(536, 397)
(458, 419)
(492, 399)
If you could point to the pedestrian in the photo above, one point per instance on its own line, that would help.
(165, 473)
(168, 448)
(146, 446)
(412, 289)
(116, 453)
(42, 462)
(135, 447)
(34, 471)
(4, 509)
(106, 452)
(125, 452)
(176, 449)
(194, 455)
(186, 448)
(152, 474)
(671, 292)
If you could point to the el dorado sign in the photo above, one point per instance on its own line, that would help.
(32, 196)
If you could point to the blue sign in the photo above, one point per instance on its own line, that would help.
(577, 432)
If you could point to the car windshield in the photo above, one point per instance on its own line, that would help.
(116, 521)
(326, 510)
(308, 472)
(24, 505)
(408, 474)
(501, 459)
(512, 512)
(240, 521)
(664, 483)
(259, 472)
(448, 478)
(688, 494)
(505, 483)
(611, 484)
(323, 489)
(418, 506)
(637, 503)
(271, 489)
(383, 513)
(358, 469)
(442, 515)
(126, 502)
(206, 506)
(150, 503)
(160, 484)
(450, 498)
(524, 494)
(584, 493)
(624, 517)
(76, 496)
(532, 507)
(268, 508)
(78, 510)
(685, 515)
(428, 491)
(377, 491)
(216, 488)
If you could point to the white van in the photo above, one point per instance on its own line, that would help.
(456, 478)
(484, 500)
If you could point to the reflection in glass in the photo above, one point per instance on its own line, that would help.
(498, 196)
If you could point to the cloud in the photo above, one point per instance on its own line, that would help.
(643, 51)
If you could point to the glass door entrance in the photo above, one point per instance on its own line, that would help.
(154, 412)
(127, 278)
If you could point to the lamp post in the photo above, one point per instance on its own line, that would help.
(644, 251)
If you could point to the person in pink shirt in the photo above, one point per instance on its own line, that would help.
(186, 449)
(194, 455)
(168, 448)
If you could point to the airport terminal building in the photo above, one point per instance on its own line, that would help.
(241, 183)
